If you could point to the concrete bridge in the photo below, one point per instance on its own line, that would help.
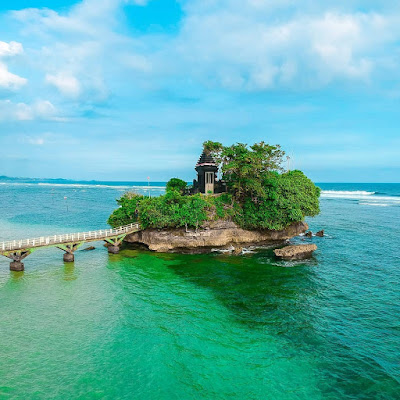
(17, 250)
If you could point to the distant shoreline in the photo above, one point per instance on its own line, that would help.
(62, 181)
(4, 179)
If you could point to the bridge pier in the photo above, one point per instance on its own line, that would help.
(17, 257)
(68, 257)
(113, 249)
(17, 266)
(17, 250)
(115, 243)
(69, 249)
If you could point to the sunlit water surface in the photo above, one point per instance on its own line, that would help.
(140, 325)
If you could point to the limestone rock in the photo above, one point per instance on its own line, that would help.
(295, 252)
(320, 233)
(215, 234)
(237, 250)
(308, 234)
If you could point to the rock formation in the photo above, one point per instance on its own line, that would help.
(217, 234)
(296, 252)
(89, 248)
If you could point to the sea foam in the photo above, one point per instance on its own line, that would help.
(345, 193)
(364, 198)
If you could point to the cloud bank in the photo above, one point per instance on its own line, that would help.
(236, 70)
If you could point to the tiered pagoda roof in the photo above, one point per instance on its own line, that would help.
(206, 159)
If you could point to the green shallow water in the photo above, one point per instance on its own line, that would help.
(140, 325)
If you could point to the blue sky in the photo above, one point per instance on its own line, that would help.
(125, 89)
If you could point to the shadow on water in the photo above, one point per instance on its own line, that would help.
(268, 297)
(17, 276)
(69, 272)
(258, 292)
(290, 302)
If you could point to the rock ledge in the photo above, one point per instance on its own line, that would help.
(295, 252)
(216, 234)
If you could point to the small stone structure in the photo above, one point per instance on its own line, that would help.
(295, 252)
(207, 182)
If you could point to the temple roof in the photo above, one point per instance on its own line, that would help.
(206, 159)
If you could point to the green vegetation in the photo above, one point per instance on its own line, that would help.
(176, 184)
(261, 195)
(173, 210)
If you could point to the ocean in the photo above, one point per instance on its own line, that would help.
(140, 325)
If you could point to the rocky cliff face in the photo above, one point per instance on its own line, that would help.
(219, 234)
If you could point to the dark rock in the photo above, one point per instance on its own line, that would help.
(296, 252)
(89, 248)
(308, 234)
(320, 233)
(113, 249)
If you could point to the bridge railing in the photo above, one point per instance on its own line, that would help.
(66, 238)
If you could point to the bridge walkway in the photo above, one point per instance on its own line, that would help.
(17, 250)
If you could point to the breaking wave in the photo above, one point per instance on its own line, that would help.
(363, 197)
(345, 193)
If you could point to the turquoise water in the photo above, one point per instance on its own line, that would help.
(140, 325)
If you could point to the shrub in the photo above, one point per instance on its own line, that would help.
(176, 184)
(289, 198)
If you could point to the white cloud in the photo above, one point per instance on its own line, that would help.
(9, 80)
(78, 48)
(40, 109)
(251, 46)
(10, 49)
(67, 84)
(46, 138)
(36, 141)
(241, 45)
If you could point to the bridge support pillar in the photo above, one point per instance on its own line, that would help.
(115, 243)
(113, 249)
(68, 257)
(17, 256)
(69, 249)
(17, 266)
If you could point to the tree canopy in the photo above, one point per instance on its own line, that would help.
(261, 195)
(244, 168)
(176, 184)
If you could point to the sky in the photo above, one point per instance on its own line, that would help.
(130, 89)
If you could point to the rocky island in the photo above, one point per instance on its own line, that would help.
(256, 202)
(211, 236)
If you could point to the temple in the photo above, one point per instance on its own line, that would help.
(207, 182)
